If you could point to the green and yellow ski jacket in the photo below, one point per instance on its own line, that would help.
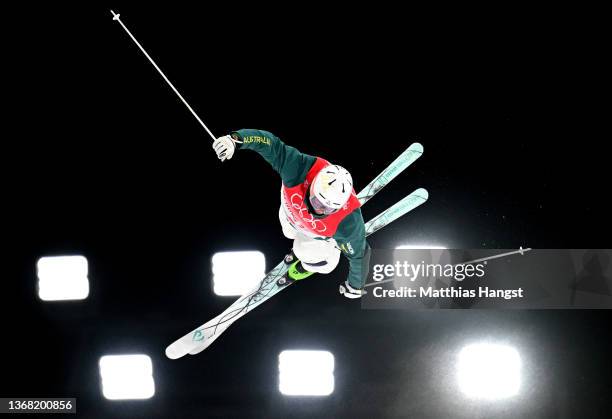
(292, 166)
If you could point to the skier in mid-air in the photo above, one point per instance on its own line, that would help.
(319, 209)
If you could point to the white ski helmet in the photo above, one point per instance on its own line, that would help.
(330, 189)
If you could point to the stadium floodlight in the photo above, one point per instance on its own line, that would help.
(306, 373)
(127, 377)
(236, 273)
(489, 371)
(62, 278)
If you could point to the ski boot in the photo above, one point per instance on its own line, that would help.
(295, 272)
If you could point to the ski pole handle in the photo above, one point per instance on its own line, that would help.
(116, 17)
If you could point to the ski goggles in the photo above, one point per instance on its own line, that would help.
(320, 207)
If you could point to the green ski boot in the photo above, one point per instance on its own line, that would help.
(295, 272)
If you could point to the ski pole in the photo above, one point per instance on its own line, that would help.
(116, 17)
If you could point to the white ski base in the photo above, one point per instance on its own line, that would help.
(206, 334)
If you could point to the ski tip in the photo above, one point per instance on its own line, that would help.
(173, 352)
(416, 147)
(421, 193)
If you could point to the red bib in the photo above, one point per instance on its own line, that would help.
(297, 212)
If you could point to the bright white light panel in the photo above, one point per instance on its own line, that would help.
(306, 373)
(62, 278)
(236, 273)
(127, 377)
(489, 371)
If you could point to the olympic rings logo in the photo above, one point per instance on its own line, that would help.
(317, 225)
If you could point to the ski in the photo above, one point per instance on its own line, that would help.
(199, 339)
(409, 156)
(193, 342)
(405, 205)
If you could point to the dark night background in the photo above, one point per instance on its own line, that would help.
(106, 162)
